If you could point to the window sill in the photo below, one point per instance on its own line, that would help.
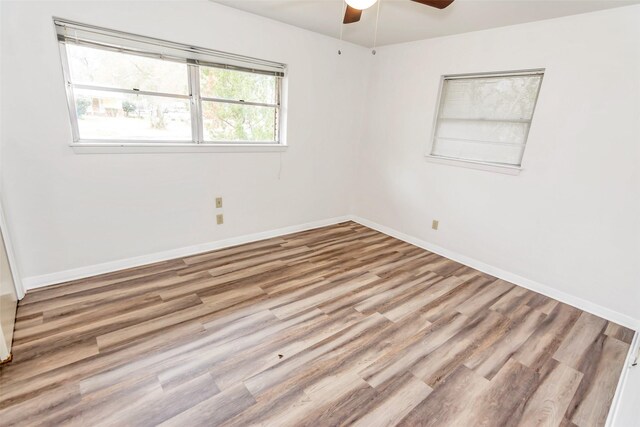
(489, 167)
(139, 148)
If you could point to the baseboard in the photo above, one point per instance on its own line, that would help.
(532, 285)
(34, 282)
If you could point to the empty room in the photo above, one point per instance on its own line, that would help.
(320, 213)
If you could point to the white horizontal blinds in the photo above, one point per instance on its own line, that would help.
(486, 118)
(81, 34)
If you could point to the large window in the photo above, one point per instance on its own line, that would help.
(126, 89)
(486, 118)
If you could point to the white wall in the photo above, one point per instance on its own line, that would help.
(571, 219)
(67, 211)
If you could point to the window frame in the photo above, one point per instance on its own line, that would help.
(197, 142)
(477, 164)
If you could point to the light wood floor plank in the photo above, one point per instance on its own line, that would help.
(550, 401)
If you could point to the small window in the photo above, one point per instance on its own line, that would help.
(486, 118)
(127, 89)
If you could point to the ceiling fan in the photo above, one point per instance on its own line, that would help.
(355, 7)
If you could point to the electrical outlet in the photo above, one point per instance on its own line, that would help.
(220, 219)
(218, 202)
(434, 224)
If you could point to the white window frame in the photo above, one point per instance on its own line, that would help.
(475, 164)
(193, 57)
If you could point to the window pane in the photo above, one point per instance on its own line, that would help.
(510, 154)
(503, 98)
(121, 116)
(475, 130)
(233, 122)
(99, 67)
(237, 85)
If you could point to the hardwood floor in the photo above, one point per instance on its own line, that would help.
(338, 325)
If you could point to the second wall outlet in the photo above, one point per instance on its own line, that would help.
(219, 219)
(218, 202)
(434, 224)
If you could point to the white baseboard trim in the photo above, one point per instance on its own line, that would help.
(34, 282)
(532, 285)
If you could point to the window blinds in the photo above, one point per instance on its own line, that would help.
(486, 118)
(88, 35)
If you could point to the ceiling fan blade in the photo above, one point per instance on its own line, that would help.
(351, 15)
(440, 4)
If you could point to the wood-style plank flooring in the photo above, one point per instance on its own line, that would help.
(333, 326)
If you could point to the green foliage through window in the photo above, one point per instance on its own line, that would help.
(238, 122)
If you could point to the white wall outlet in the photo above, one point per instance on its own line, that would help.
(434, 224)
(220, 219)
(218, 202)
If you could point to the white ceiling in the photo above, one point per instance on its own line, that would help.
(404, 20)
